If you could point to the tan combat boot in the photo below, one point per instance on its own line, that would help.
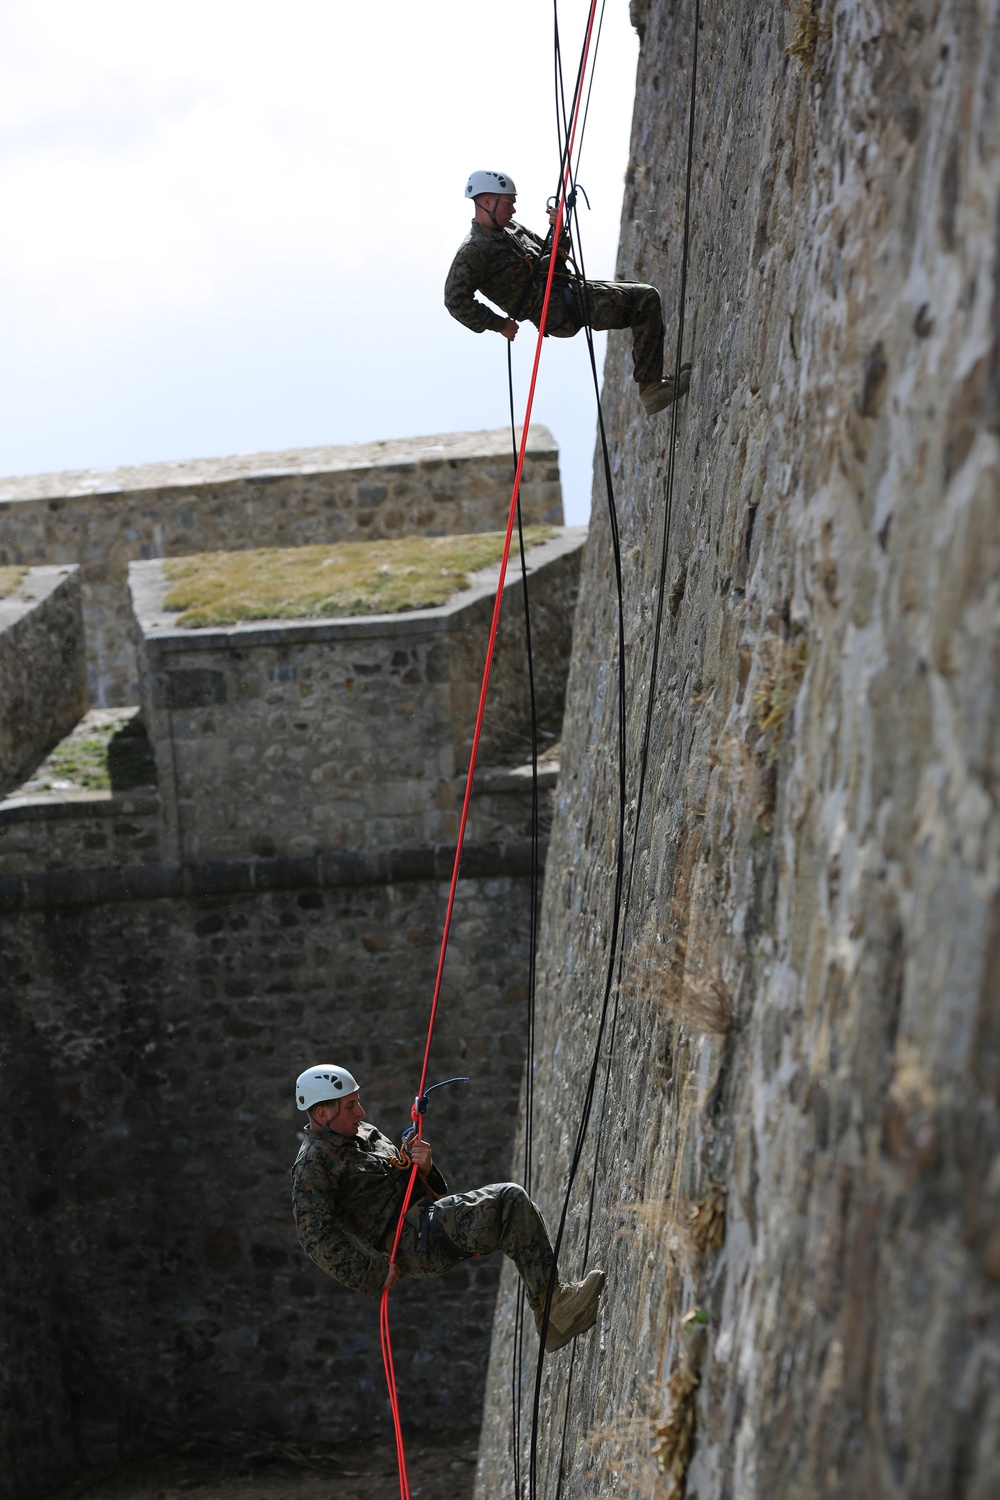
(656, 395)
(573, 1310)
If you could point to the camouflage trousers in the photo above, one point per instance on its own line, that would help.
(498, 1217)
(611, 304)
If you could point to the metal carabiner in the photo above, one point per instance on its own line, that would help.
(553, 202)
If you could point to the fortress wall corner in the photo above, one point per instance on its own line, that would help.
(43, 677)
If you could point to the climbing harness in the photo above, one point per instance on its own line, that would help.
(537, 259)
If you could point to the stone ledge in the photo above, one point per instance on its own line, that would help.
(103, 518)
(516, 778)
(264, 467)
(37, 585)
(44, 807)
(153, 882)
(161, 634)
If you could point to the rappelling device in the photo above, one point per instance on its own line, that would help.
(578, 187)
(417, 1111)
(569, 282)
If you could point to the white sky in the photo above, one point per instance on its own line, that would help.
(226, 225)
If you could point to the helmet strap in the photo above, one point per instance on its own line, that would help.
(491, 212)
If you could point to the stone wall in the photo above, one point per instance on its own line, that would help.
(105, 519)
(43, 677)
(38, 1449)
(153, 1285)
(796, 1160)
(155, 1010)
(78, 831)
(287, 738)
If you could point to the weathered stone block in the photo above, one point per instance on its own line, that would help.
(43, 677)
(371, 751)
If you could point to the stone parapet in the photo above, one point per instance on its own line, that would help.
(43, 682)
(80, 832)
(105, 519)
(294, 737)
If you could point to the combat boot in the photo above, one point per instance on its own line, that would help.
(573, 1310)
(656, 395)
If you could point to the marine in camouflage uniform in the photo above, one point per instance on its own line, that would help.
(509, 266)
(347, 1192)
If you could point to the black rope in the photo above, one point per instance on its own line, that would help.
(519, 1315)
(590, 90)
(519, 1324)
(671, 462)
(562, 116)
(622, 907)
(585, 1113)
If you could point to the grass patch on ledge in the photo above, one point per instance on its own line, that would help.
(10, 579)
(347, 578)
(107, 751)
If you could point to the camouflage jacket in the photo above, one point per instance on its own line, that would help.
(506, 266)
(346, 1196)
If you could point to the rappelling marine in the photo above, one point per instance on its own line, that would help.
(509, 264)
(348, 1189)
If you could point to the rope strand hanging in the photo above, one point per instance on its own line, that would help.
(387, 1355)
(623, 904)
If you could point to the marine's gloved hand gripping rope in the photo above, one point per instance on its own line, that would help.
(417, 1111)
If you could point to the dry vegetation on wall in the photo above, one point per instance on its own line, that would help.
(810, 30)
(781, 667)
(684, 978)
(643, 1456)
(348, 578)
(10, 579)
(675, 1434)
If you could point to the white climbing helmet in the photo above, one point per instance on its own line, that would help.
(322, 1082)
(489, 182)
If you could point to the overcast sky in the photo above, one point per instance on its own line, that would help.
(226, 225)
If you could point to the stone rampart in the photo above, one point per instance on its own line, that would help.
(43, 677)
(795, 1158)
(78, 831)
(291, 737)
(158, 1009)
(153, 1287)
(105, 519)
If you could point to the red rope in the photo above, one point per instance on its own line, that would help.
(387, 1360)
